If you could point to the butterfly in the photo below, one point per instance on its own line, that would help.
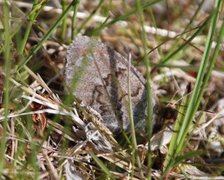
(101, 77)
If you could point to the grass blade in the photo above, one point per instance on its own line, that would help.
(178, 140)
(48, 34)
(7, 41)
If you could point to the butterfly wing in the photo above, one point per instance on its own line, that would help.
(102, 82)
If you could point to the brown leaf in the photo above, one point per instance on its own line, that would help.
(40, 119)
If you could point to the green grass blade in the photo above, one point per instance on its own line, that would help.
(170, 157)
(173, 53)
(48, 34)
(91, 16)
(149, 120)
(196, 97)
(63, 24)
(132, 127)
(102, 166)
(183, 123)
(124, 17)
(212, 63)
(36, 8)
(7, 68)
(74, 20)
